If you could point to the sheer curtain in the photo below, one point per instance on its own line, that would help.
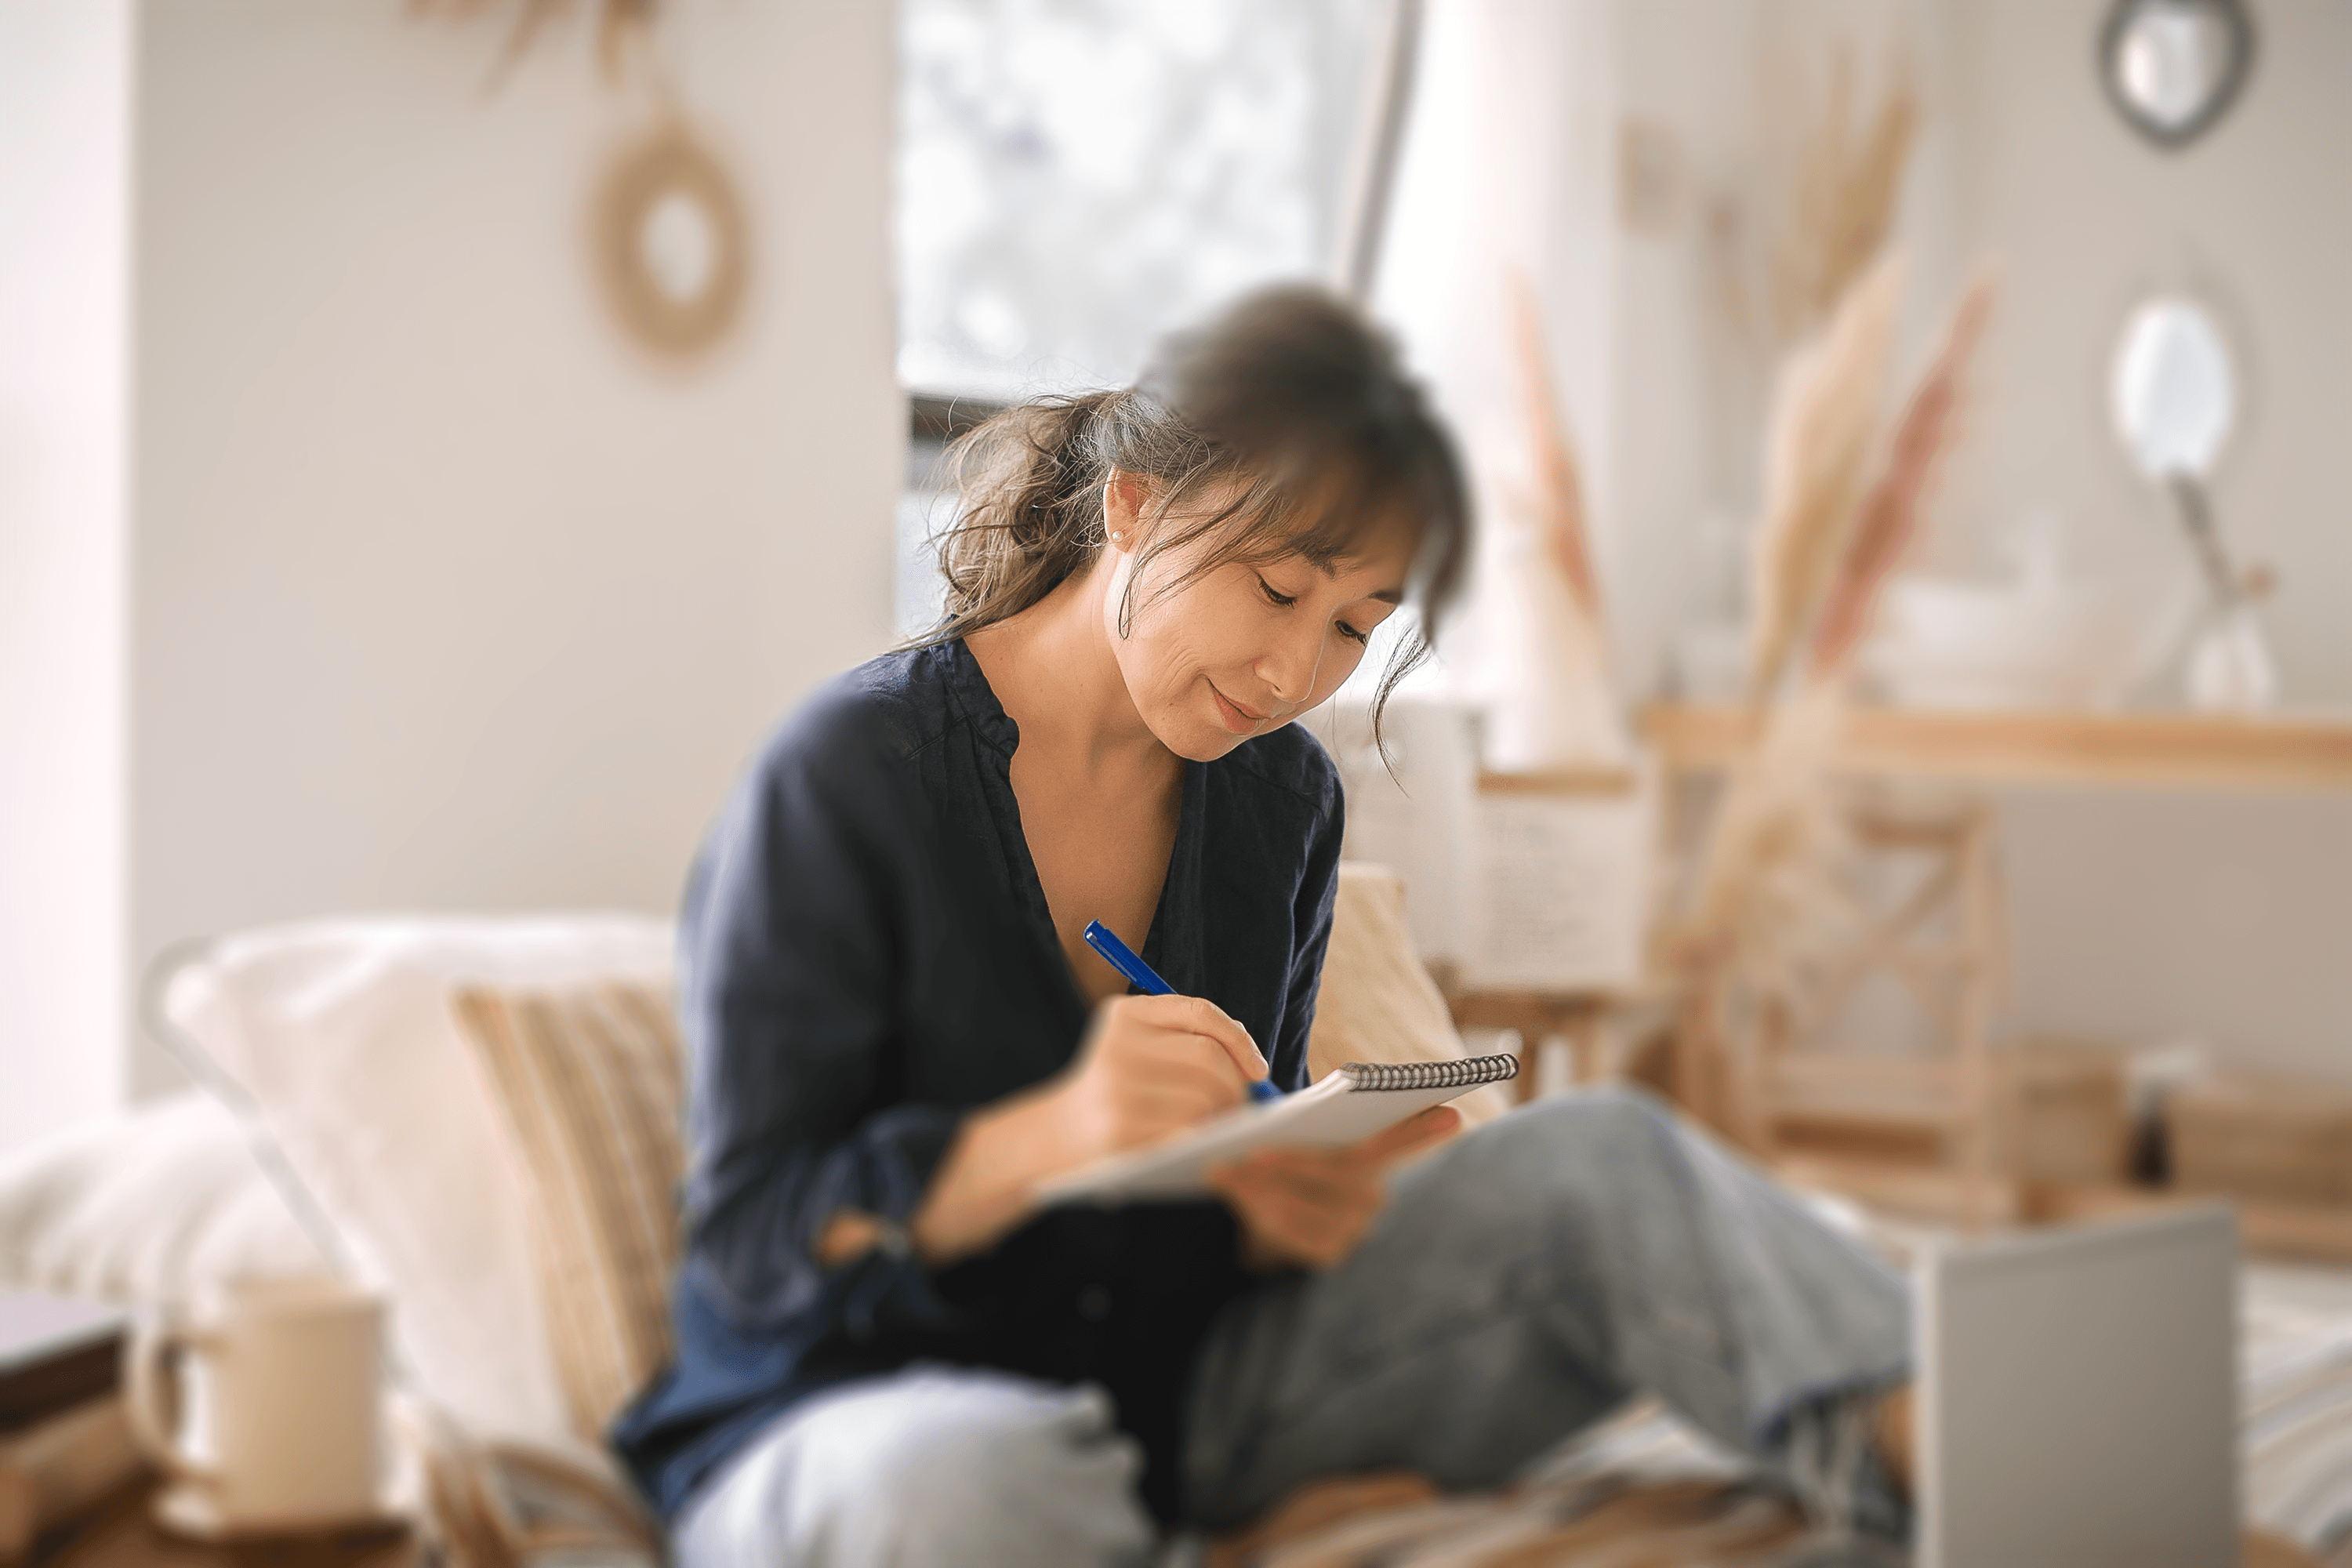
(1508, 169)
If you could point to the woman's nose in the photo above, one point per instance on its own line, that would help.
(1289, 669)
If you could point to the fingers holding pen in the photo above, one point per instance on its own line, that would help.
(1203, 1019)
(1158, 1000)
(1154, 1064)
(1150, 1066)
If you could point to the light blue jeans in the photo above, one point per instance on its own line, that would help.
(1520, 1285)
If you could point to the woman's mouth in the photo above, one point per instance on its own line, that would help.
(1236, 718)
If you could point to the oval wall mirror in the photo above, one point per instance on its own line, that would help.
(2172, 68)
(2172, 390)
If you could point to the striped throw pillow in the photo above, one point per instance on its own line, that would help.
(589, 1081)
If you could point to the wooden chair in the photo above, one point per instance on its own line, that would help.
(1913, 1129)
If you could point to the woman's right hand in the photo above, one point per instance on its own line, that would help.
(1150, 1066)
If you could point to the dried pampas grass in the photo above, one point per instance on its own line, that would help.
(1890, 517)
(1768, 919)
(1760, 903)
(623, 30)
(1560, 478)
(1556, 706)
(1825, 421)
(1843, 182)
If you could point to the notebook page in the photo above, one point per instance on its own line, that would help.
(1332, 1114)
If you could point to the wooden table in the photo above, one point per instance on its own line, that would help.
(1538, 1015)
(2270, 753)
(121, 1533)
(2164, 749)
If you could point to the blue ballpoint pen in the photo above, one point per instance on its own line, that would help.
(1121, 957)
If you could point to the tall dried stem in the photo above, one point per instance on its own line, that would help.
(1890, 517)
(1843, 186)
(1559, 478)
(1825, 419)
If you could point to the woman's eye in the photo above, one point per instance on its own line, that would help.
(1351, 634)
(1272, 597)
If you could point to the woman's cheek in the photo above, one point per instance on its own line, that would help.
(1338, 666)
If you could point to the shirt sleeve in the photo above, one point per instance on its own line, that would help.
(788, 945)
(1318, 888)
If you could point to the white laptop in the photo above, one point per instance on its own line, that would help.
(2078, 1397)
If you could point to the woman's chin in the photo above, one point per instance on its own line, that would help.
(1204, 745)
(1194, 739)
(1197, 727)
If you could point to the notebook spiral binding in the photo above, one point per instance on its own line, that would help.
(1461, 1074)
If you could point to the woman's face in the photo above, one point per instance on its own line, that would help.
(1242, 649)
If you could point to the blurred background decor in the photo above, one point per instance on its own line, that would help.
(1759, 951)
(671, 242)
(1554, 703)
(624, 31)
(1842, 175)
(2173, 395)
(2173, 68)
(668, 234)
(2042, 635)
(352, 563)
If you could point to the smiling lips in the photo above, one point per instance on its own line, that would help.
(1241, 720)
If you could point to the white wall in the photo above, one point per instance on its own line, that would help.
(1512, 158)
(444, 599)
(2134, 917)
(63, 150)
(1506, 164)
(2085, 217)
(2220, 918)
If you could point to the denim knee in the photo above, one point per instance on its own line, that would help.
(1612, 1130)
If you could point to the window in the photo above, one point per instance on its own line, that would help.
(1078, 177)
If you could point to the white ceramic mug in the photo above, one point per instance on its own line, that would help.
(293, 1432)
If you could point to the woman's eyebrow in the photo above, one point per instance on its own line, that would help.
(1385, 595)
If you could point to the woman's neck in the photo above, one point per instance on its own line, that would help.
(1053, 669)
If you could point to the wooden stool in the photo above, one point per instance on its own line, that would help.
(1574, 1016)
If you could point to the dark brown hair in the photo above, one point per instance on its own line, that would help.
(1291, 395)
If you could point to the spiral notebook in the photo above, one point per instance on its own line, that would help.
(1348, 1105)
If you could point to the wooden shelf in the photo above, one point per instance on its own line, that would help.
(2180, 751)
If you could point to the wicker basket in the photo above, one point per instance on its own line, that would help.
(2268, 1139)
(2073, 1120)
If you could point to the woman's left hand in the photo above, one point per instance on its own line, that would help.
(1309, 1207)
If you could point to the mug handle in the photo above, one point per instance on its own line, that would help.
(152, 1401)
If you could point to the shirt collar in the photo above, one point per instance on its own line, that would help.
(969, 690)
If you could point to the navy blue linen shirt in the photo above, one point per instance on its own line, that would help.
(865, 956)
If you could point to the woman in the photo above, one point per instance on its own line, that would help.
(885, 1351)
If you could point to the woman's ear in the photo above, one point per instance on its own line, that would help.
(1124, 498)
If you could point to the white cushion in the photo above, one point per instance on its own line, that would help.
(1377, 1003)
(337, 1039)
(150, 1205)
